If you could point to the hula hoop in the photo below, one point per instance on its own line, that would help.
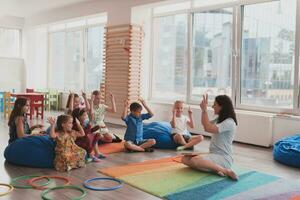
(86, 184)
(10, 188)
(44, 193)
(31, 181)
(15, 180)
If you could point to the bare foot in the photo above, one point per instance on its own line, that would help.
(232, 175)
(221, 173)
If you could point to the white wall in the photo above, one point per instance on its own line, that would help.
(12, 22)
(12, 70)
(285, 126)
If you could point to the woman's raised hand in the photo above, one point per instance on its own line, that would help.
(204, 102)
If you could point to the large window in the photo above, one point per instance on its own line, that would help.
(57, 59)
(212, 40)
(242, 49)
(94, 62)
(73, 60)
(76, 54)
(10, 42)
(268, 52)
(170, 57)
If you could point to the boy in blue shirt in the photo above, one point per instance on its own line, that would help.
(134, 140)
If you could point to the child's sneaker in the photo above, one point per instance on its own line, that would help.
(101, 156)
(88, 160)
(149, 150)
(180, 148)
(95, 159)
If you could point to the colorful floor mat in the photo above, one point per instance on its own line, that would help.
(111, 148)
(168, 178)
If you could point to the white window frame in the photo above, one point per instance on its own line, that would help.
(236, 56)
(19, 56)
(83, 64)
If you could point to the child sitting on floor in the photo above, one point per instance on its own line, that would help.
(134, 133)
(89, 141)
(98, 111)
(67, 154)
(179, 123)
(74, 102)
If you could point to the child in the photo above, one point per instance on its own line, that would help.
(18, 125)
(179, 124)
(98, 112)
(134, 133)
(74, 102)
(90, 141)
(67, 154)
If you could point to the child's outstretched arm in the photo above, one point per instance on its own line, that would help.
(125, 109)
(173, 123)
(79, 133)
(71, 106)
(92, 114)
(113, 108)
(146, 107)
(86, 102)
(191, 120)
(51, 121)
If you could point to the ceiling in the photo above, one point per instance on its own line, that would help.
(26, 8)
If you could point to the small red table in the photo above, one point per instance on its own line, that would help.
(36, 102)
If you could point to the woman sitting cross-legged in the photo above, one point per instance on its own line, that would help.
(219, 160)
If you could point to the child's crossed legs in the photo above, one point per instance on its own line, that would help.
(142, 145)
(186, 141)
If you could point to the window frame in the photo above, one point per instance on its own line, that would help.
(84, 46)
(19, 56)
(235, 56)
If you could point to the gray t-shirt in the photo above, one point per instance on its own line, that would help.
(221, 142)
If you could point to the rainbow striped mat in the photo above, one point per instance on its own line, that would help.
(168, 178)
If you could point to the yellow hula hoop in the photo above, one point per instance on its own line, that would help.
(10, 188)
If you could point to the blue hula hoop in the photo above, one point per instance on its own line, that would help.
(86, 184)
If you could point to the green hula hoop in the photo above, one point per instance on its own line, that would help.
(15, 180)
(45, 192)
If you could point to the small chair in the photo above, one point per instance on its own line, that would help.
(1, 101)
(46, 97)
(53, 99)
(37, 105)
(8, 104)
(29, 90)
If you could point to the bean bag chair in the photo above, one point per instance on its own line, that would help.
(33, 151)
(287, 151)
(161, 132)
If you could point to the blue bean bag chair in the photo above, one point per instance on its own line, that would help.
(33, 151)
(287, 151)
(161, 132)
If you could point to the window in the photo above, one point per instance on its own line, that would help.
(10, 42)
(212, 40)
(170, 57)
(57, 59)
(76, 54)
(73, 61)
(268, 52)
(94, 62)
(242, 49)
